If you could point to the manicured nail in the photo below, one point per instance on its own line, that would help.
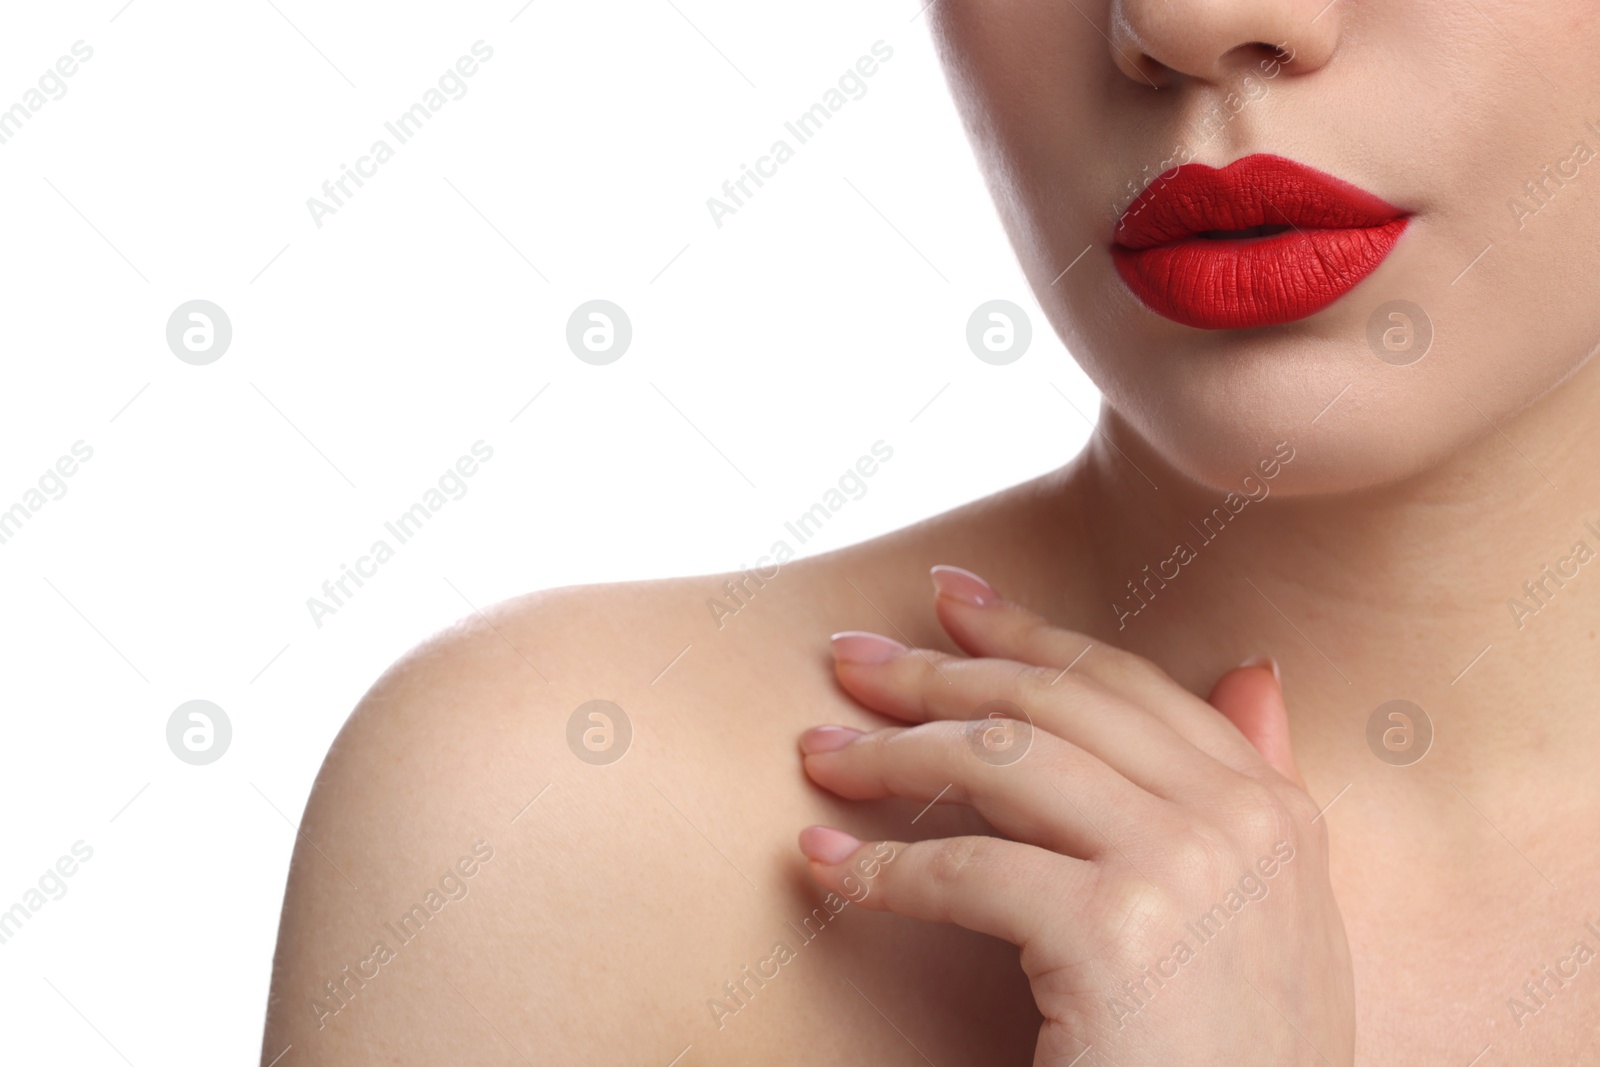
(858, 646)
(1265, 661)
(821, 739)
(826, 845)
(963, 585)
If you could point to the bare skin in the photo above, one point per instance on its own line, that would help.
(1421, 502)
(618, 904)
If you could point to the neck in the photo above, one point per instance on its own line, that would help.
(1468, 590)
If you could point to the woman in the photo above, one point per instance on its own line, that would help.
(1257, 735)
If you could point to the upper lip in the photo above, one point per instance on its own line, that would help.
(1256, 191)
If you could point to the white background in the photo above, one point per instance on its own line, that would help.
(367, 355)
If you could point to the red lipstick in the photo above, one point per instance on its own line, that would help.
(1260, 242)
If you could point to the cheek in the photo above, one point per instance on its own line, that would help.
(1501, 255)
(1033, 84)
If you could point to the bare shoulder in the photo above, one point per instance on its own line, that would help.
(447, 858)
(562, 831)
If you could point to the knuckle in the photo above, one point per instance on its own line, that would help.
(930, 661)
(934, 742)
(1076, 688)
(885, 743)
(1033, 676)
(1249, 822)
(912, 759)
(1262, 815)
(1131, 910)
(1034, 639)
(930, 675)
(1033, 684)
(876, 747)
(1203, 854)
(954, 860)
(969, 732)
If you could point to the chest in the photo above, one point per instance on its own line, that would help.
(1506, 973)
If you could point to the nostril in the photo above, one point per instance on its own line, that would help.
(1151, 71)
(1272, 56)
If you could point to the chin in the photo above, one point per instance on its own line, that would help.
(1399, 377)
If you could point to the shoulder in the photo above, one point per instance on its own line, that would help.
(448, 828)
(580, 803)
(516, 833)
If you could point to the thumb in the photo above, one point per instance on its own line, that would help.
(1251, 697)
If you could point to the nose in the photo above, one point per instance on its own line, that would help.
(1163, 42)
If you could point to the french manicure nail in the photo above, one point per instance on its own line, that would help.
(859, 646)
(963, 585)
(820, 739)
(826, 845)
(1265, 661)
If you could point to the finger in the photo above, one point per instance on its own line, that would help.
(1251, 698)
(922, 685)
(1000, 888)
(1040, 789)
(985, 624)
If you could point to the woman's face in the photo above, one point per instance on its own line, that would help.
(1475, 124)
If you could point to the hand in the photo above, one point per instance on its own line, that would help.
(1162, 868)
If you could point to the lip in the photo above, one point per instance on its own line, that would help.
(1333, 235)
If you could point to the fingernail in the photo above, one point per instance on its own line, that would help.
(826, 845)
(963, 585)
(821, 739)
(1265, 661)
(858, 646)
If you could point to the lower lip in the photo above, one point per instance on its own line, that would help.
(1264, 281)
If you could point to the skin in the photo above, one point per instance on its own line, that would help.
(1172, 826)
(1380, 567)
